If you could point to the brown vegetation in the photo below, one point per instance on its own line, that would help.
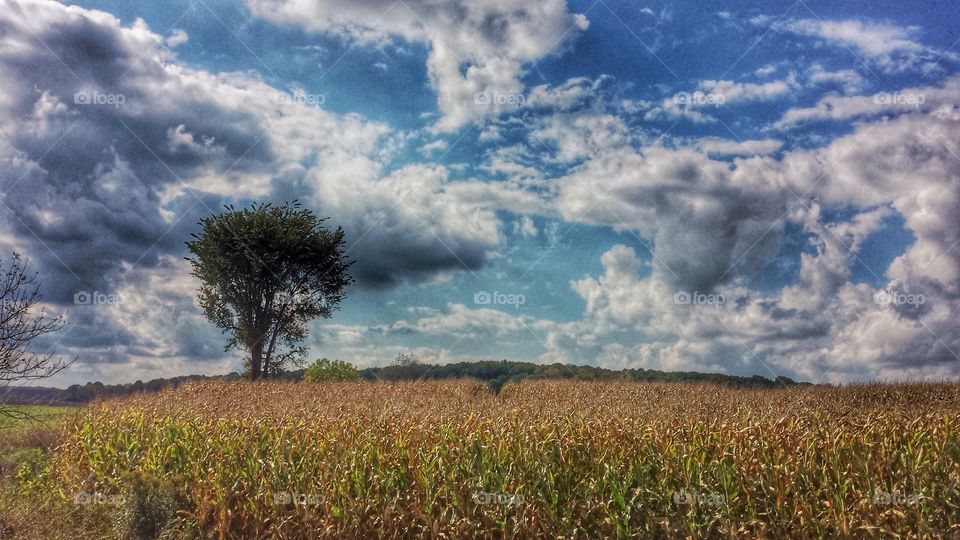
(543, 458)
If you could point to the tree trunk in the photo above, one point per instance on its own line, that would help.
(256, 359)
(269, 355)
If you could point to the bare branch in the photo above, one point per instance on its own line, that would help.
(22, 320)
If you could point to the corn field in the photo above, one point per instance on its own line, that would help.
(541, 459)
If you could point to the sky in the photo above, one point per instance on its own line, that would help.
(753, 188)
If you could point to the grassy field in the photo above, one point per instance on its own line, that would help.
(29, 507)
(25, 417)
(451, 459)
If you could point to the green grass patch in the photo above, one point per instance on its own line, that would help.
(22, 417)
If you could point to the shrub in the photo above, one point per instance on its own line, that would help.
(148, 505)
(32, 470)
(326, 370)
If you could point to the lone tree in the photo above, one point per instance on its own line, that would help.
(23, 320)
(266, 272)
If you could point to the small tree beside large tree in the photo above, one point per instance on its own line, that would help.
(266, 272)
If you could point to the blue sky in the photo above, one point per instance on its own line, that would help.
(762, 188)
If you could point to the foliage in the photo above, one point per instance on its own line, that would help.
(272, 370)
(32, 470)
(406, 359)
(148, 505)
(31, 503)
(498, 373)
(495, 373)
(544, 458)
(266, 272)
(325, 370)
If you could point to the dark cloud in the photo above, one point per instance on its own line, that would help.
(112, 151)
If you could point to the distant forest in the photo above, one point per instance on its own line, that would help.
(494, 373)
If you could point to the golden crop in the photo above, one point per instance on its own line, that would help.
(572, 459)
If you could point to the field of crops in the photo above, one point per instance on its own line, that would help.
(451, 459)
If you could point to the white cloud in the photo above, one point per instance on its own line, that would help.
(849, 80)
(464, 323)
(577, 136)
(711, 225)
(716, 145)
(515, 195)
(824, 327)
(176, 38)
(870, 38)
(710, 95)
(904, 101)
(564, 97)
(490, 133)
(891, 48)
(765, 71)
(526, 227)
(708, 224)
(478, 47)
(734, 92)
(438, 145)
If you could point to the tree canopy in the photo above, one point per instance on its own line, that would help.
(326, 370)
(267, 271)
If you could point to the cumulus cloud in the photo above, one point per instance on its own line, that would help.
(478, 48)
(707, 227)
(575, 136)
(824, 326)
(113, 149)
(408, 226)
(708, 224)
(181, 141)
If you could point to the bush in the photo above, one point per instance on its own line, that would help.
(325, 370)
(32, 470)
(147, 507)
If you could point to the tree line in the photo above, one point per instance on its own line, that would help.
(496, 373)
